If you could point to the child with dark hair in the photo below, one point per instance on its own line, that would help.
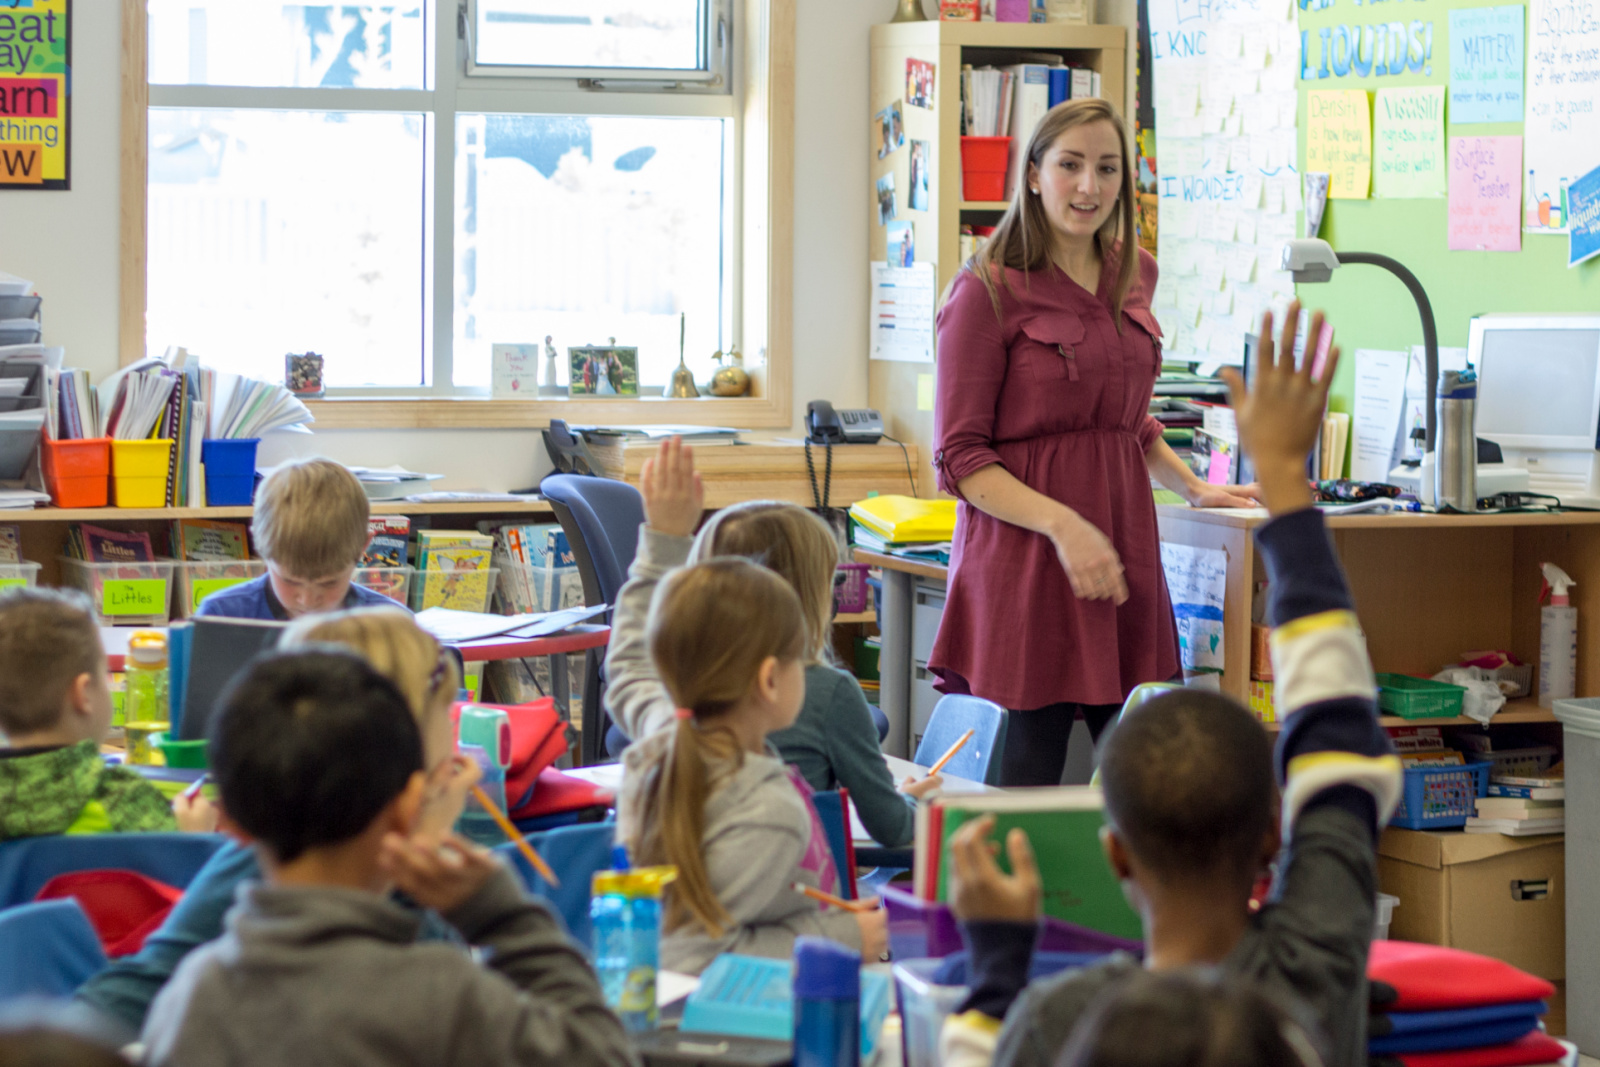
(319, 764)
(1190, 1018)
(1191, 810)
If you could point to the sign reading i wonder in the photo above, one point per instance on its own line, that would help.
(35, 58)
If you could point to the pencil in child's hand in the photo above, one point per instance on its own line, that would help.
(838, 902)
(199, 783)
(951, 753)
(515, 835)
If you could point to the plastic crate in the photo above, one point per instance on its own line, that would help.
(16, 575)
(1521, 762)
(922, 929)
(1520, 675)
(1418, 698)
(139, 473)
(230, 466)
(392, 582)
(924, 1006)
(77, 474)
(850, 593)
(1438, 798)
(459, 590)
(199, 579)
(751, 996)
(123, 594)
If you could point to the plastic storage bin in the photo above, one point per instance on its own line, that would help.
(1380, 923)
(198, 580)
(392, 582)
(983, 167)
(850, 593)
(924, 1006)
(139, 473)
(186, 754)
(1580, 728)
(460, 590)
(123, 594)
(925, 929)
(1438, 798)
(77, 474)
(230, 471)
(14, 575)
(1418, 698)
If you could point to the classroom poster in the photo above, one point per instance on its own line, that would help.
(1486, 64)
(902, 312)
(1563, 124)
(35, 103)
(1485, 194)
(1583, 242)
(1197, 581)
(1226, 185)
(1408, 143)
(1339, 140)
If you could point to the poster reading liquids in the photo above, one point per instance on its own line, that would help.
(35, 55)
(1563, 123)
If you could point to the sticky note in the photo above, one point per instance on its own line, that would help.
(1485, 194)
(201, 588)
(1339, 140)
(1486, 64)
(924, 392)
(133, 596)
(1408, 142)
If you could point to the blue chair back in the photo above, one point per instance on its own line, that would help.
(833, 809)
(27, 863)
(601, 517)
(954, 715)
(575, 853)
(47, 949)
(1140, 694)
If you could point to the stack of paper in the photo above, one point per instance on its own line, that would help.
(1335, 442)
(391, 483)
(244, 408)
(139, 404)
(11, 285)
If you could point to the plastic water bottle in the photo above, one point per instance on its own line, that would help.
(827, 1004)
(475, 824)
(626, 915)
(145, 679)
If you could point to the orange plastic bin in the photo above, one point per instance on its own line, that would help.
(77, 474)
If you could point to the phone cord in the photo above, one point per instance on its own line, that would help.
(821, 500)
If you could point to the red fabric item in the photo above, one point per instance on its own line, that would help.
(538, 739)
(124, 907)
(1535, 1048)
(1057, 396)
(1435, 978)
(556, 793)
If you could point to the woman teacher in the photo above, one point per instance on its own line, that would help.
(1048, 354)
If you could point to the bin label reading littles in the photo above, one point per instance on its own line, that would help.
(134, 596)
(35, 104)
(12, 583)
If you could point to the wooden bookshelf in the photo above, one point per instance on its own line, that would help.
(1524, 712)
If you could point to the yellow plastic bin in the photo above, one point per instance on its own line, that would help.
(139, 473)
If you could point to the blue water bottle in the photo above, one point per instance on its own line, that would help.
(625, 912)
(476, 824)
(827, 1004)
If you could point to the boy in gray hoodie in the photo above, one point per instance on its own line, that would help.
(319, 765)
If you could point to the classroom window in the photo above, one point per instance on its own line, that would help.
(321, 179)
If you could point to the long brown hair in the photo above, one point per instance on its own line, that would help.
(1022, 239)
(789, 541)
(712, 625)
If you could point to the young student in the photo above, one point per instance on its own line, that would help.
(320, 766)
(1190, 800)
(1189, 1018)
(834, 741)
(427, 676)
(709, 795)
(310, 526)
(55, 709)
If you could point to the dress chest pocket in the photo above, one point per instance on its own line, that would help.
(1048, 348)
(1146, 321)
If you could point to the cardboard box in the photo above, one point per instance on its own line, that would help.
(1555, 1020)
(1487, 893)
(1260, 652)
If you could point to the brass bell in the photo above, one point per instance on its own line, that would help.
(731, 379)
(682, 386)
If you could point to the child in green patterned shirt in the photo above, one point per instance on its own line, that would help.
(55, 709)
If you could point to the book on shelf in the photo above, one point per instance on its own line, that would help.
(538, 570)
(210, 541)
(1528, 792)
(986, 94)
(390, 543)
(95, 544)
(10, 543)
(1516, 827)
(1545, 781)
(1519, 808)
(455, 569)
(897, 518)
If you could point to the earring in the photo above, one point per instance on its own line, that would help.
(1035, 192)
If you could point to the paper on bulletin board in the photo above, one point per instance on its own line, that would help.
(1583, 241)
(902, 312)
(1486, 64)
(1408, 143)
(1197, 580)
(1485, 190)
(1380, 389)
(1563, 121)
(1339, 140)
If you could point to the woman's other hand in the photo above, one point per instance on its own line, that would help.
(1092, 565)
(673, 494)
(1205, 495)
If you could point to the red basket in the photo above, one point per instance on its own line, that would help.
(851, 594)
(983, 167)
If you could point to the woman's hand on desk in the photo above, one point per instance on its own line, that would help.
(917, 788)
(1092, 565)
(673, 494)
(1204, 495)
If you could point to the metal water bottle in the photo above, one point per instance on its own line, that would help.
(1455, 469)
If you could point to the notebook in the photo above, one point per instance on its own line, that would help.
(218, 649)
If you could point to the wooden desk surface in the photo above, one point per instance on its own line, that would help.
(1250, 518)
(917, 567)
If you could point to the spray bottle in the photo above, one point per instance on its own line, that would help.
(1558, 638)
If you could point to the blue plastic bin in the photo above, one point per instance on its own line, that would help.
(230, 471)
(1438, 798)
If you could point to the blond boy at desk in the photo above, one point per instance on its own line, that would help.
(55, 710)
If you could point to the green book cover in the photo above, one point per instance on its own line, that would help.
(1063, 825)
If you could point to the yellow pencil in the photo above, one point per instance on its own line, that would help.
(951, 754)
(838, 902)
(517, 839)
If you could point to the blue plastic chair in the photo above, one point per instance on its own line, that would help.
(575, 853)
(47, 949)
(27, 863)
(954, 715)
(833, 809)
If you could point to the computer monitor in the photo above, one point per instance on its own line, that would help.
(1539, 398)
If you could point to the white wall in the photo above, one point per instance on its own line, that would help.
(67, 242)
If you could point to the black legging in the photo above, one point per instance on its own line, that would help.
(1036, 741)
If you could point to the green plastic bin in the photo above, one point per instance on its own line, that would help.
(1418, 698)
(188, 754)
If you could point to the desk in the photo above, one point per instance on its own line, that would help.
(913, 601)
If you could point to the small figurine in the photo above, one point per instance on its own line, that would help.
(731, 379)
(549, 386)
(303, 374)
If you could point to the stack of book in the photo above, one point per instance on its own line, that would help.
(904, 526)
(538, 571)
(208, 541)
(453, 568)
(986, 94)
(94, 544)
(608, 445)
(1519, 806)
(383, 564)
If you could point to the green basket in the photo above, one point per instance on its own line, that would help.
(1418, 698)
(188, 754)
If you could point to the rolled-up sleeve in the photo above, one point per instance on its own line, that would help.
(1149, 433)
(972, 368)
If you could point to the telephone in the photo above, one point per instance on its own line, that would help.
(852, 426)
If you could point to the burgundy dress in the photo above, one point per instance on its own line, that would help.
(1055, 395)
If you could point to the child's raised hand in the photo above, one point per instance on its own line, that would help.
(918, 788)
(673, 495)
(195, 814)
(1280, 414)
(979, 889)
(441, 873)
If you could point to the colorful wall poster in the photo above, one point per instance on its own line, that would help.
(35, 101)
(1563, 124)
(1485, 187)
(1486, 63)
(1408, 142)
(1339, 140)
(1583, 238)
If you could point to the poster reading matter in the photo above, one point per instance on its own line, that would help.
(35, 106)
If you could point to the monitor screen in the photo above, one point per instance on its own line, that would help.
(1538, 382)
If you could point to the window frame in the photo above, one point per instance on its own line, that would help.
(760, 263)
